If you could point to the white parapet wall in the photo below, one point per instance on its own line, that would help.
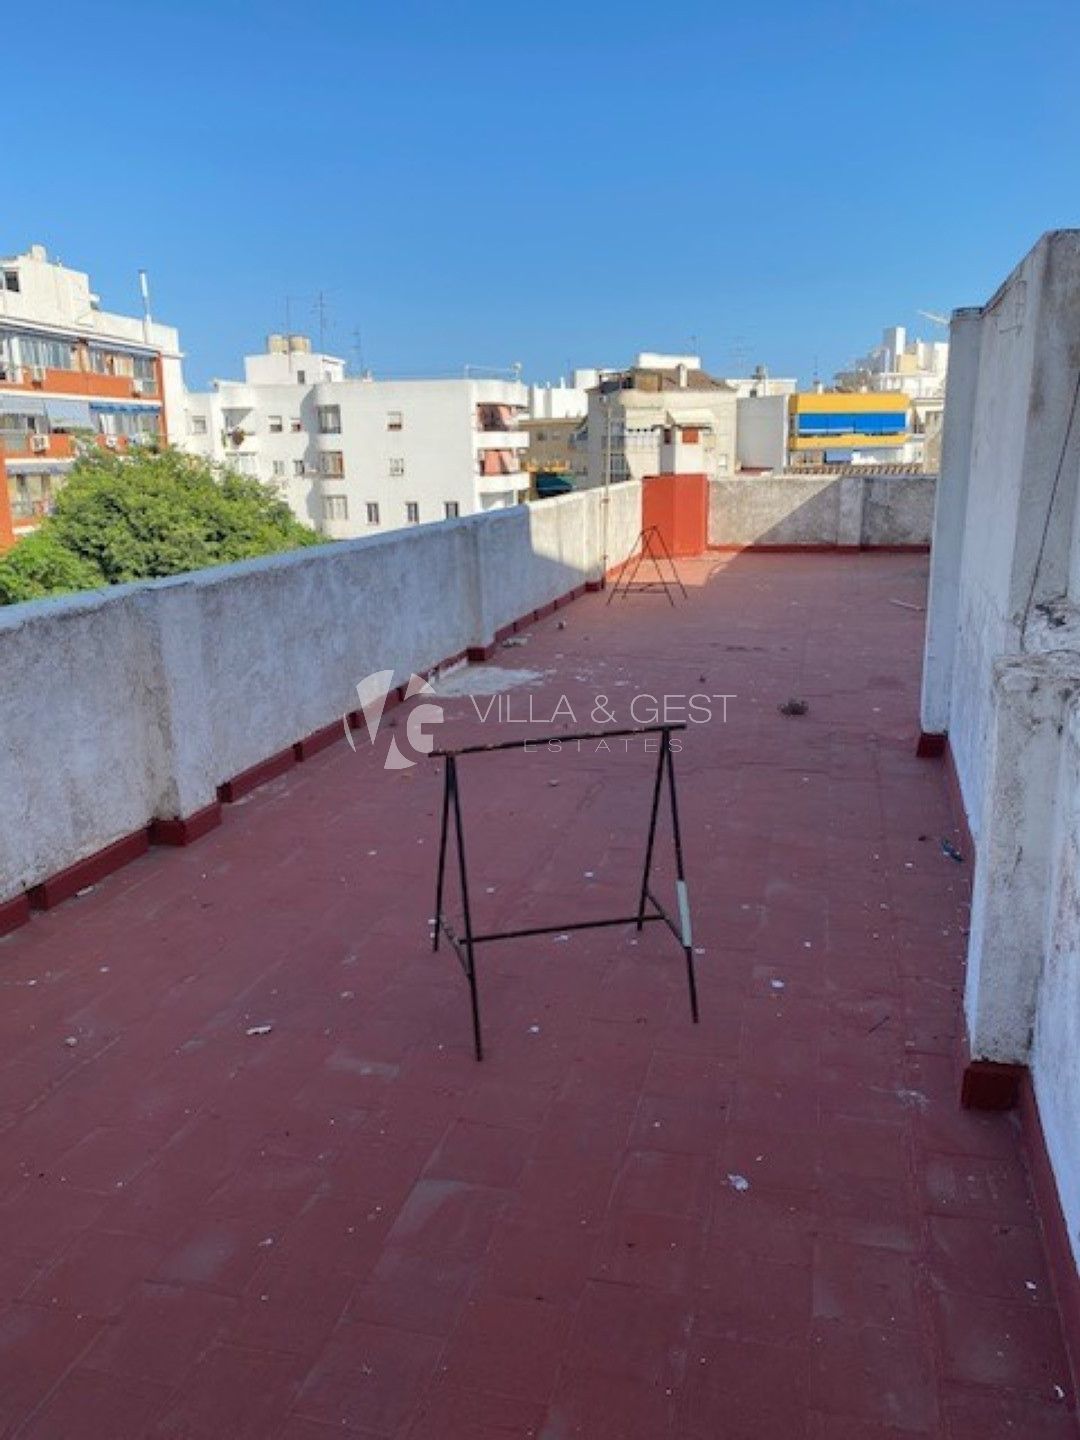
(133, 704)
(1002, 675)
(845, 511)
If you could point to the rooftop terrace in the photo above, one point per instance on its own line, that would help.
(774, 1225)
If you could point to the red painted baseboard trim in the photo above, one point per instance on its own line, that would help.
(1064, 1275)
(477, 654)
(931, 745)
(988, 1085)
(319, 740)
(66, 883)
(256, 775)
(186, 829)
(592, 586)
(14, 913)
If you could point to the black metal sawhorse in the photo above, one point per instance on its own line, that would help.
(650, 545)
(464, 944)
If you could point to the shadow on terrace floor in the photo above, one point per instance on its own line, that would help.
(774, 1224)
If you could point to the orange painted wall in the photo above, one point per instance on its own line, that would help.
(79, 382)
(678, 505)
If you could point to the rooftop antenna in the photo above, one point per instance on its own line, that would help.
(320, 311)
(358, 350)
(933, 315)
(144, 291)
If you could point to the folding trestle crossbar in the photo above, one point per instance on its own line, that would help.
(649, 907)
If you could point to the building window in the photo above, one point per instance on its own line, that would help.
(196, 424)
(109, 362)
(372, 513)
(276, 425)
(395, 420)
(452, 509)
(332, 462)
(412, 512)
(11, 280)
(294, 425)
(35, 350)
(329, 419)
(279, 467)
(298, 467)
(336, 507)
(301, 377)
(397, 466)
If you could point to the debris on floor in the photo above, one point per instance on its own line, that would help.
(259, 1029)
(794, 707)
(949, 849)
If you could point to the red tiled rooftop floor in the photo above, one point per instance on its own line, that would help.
(346, 1227)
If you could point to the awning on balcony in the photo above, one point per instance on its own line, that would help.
(14, 404)
(69, 414)
(697, 419)
(126, 407)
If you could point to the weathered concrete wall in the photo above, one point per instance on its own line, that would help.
(950, 516)
(841, 510)
(1002, 673)
(135, 703)
(1056, 1045)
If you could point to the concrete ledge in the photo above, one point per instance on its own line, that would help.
(14, 913)
(1064, 1275)
(187, 829)
(222, 686)
(89, 871)
(822, 511)
(930, 747)
(256, 775)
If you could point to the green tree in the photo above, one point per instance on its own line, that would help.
(148, 514)
(40, 566)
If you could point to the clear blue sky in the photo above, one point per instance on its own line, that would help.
(557, 184)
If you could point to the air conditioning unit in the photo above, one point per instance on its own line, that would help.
(140, 387)
(37, 374)
(39, 444)
(110, 442)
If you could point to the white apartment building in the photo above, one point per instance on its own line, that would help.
(917, 369)
(354, 456)
(663, 415)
